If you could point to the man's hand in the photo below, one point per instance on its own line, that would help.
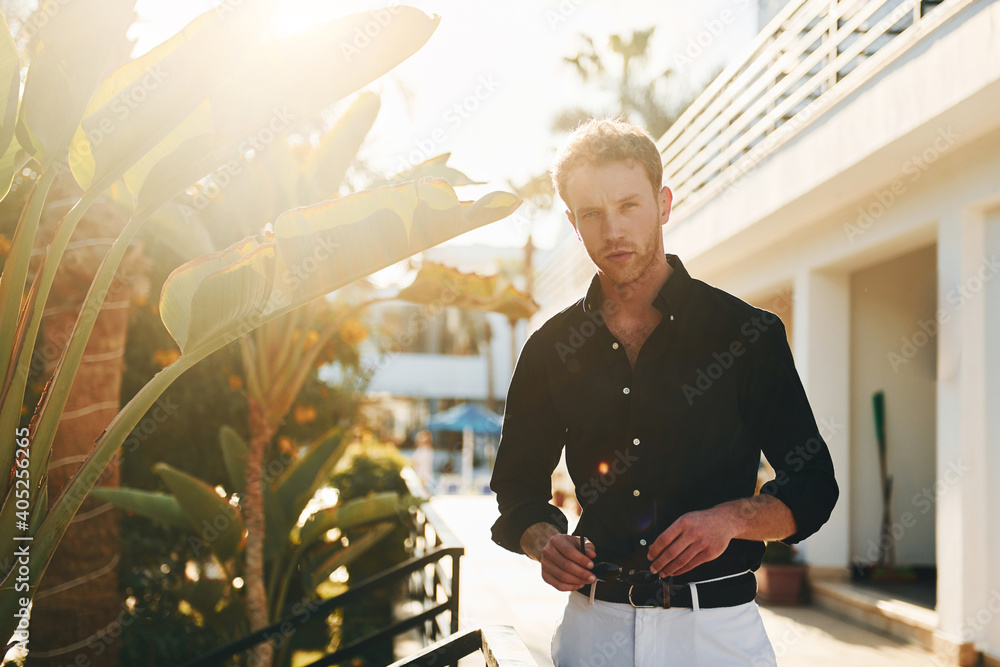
(564, 566)
(698, 537)
(694, 538)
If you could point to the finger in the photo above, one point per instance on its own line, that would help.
(566, 563)
(567, 579)
(665, 539)
(687, 560)
(570, 550)
(668, 552)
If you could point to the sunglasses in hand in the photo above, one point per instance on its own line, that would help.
(605, 571)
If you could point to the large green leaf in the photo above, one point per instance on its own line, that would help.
(326, 165)
(277, 525)
(320, 569)
(151, 105)
(314, 250)
(264, 91)
(234, 454)
(74, 50)
(11, 163)
(154, 505)
(471, 291)
(359, 512)
(10, 85)
(436, 167)
(211, 517)
(299, 484)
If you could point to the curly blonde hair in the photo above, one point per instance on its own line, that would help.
(599, 141)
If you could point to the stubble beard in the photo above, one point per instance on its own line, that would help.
(623, 276)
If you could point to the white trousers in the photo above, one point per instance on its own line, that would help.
(611, 634)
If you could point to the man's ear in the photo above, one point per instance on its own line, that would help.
(572, 221)
(666, 199)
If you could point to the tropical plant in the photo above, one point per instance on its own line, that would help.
(303, 543)
(621, 70)
(158, 124)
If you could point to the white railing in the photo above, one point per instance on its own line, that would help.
(812, 54)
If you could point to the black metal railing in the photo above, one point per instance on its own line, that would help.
(500, 645)
(432, 577)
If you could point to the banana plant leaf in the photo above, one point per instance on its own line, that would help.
(73, 52)
(152, 104)
(435, 167)
(304, 477)
(154, 505)
(341, 555)
(234, 455)
(437, 283)
(218, 298)
(10, 84)
(328, 162)
(361, 511)
(277, 525)
(211, 517)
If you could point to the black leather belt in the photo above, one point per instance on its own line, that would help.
(723, 593)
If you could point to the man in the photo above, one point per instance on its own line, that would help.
(664, 391)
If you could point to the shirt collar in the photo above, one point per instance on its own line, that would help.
(668, 300)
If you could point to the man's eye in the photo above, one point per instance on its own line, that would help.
(630, 204)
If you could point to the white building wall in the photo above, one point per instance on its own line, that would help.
(894, 350)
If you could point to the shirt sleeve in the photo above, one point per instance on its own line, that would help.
(779, 416)
(531, 440)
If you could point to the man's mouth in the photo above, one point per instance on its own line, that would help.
(621, 256)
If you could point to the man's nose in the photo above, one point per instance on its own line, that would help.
(614, 227)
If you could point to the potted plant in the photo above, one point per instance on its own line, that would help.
(780, 577)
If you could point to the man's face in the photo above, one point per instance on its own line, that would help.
(618, 217)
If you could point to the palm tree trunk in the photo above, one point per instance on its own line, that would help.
(78, 613)
(261, 433)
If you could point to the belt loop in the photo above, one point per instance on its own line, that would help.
(694, 597)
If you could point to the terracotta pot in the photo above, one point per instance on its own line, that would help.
(780, 584)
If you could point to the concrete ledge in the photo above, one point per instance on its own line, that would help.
(897, 618)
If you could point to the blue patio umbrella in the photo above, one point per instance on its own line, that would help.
(466, 415)
(469, 418)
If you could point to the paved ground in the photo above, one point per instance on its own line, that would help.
(501, 588)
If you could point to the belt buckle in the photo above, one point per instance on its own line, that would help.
(666, 583)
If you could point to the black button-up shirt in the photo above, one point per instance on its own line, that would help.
(713, 386)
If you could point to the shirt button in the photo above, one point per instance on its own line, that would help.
(614, 346)
(636, 492)
(625, 390)
(671, 318)
(636, 441)
(642, 542)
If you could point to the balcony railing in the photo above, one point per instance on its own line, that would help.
(500, 645)
(811, 55)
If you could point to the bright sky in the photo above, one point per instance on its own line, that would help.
(501, 62)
